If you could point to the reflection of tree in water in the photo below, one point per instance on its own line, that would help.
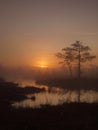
(76, 53)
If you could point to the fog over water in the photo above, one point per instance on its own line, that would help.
(55, 96)
(34, 73)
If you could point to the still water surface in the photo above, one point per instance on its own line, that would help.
(54, 96)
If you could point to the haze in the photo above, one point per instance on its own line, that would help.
(32, 31)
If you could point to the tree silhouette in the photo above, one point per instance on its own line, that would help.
(82, 54)
(67, 56)
(76, 53)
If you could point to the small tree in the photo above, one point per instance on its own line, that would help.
(82, 54)
(77, 52)
(67, 57)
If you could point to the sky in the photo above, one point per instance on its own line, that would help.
(32, 31)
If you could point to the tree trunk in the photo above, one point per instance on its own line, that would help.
(79, 65)
(79, 74)
(70, 69)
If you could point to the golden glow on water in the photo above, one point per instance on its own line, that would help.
(56, 98)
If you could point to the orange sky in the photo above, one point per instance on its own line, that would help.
(32, 32)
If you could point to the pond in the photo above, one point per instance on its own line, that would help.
(54, 96)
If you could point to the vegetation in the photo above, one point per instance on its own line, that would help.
(76, 53)
(10, 92)
(77, 116)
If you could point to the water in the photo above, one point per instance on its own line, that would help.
(54, 96)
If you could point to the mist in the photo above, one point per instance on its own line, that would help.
(37, 73)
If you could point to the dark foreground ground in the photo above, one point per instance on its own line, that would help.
(72, 116)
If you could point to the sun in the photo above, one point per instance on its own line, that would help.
(43, 64)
